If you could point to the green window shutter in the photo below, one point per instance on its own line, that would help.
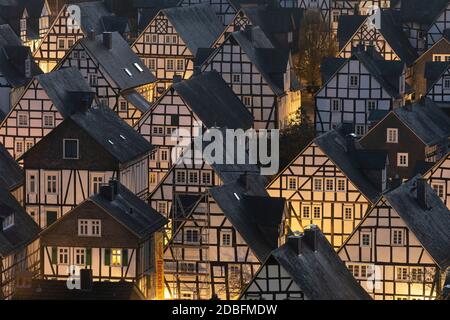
(89, 256)
(107, 257)
(54, 255)
(125, 257)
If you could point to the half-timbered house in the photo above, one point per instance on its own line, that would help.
(16, 69)
(69, 164)
(438, 178)
(19, 246)
(116, 74)
(259, 74)
(74, 23)
(183, 112)
(411, 135)
(171, 41)
(401, 250)
(437, 75)
(331, 183)
(46, 101)
(113, 233)
(34, 21)
(356, 87)
(221, 241)
(306, 267)
(440, 25)
(11, 174)
(147, 10)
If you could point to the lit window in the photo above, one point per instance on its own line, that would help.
(392, 135)
(317, 184)
(402, 159)
(71, 149)
(397, 237)
(226, 238)
(116, 257)
(348, 213)
(292, 183)
(416, 274)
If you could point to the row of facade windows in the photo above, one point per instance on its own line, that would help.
(83, 257)
(321, 184)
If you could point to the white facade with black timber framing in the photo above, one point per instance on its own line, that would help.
(438, 178)
(440, 25)
(400, 251)
(437, 76)
(323, 186)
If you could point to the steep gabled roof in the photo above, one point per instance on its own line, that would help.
(426, 120)
(197, 25)
(148, 9)
(213, 101)
(111, 132)
(252, 212)
(24, 230)
(11, 174)
(12, 65)
(115, 60)
(60, 86)
(8, 37)
(430, 225)
(434, 71)
(423, 12)
(348, 24)
(330, 66)
(319, 272)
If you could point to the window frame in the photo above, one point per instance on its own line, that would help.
(399, 159)
(392, 133)
(65, 157)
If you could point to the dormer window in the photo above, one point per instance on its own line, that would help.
(8, 222)
(71, 149)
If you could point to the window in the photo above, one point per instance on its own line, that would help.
(402, 159)
(292, 183)
(116, 257)
(353, 81)
(335, 105)
(181, 177)
(63, 255)
(206, 178)
(164, 155)
(193, 177)
(392, 135)
(226, 238)
(76, 54)
(170, 64)
(329, 184)
(153, 180)
(187, 267)
(365, 239)
(97, 181)
(48, 121)
(234, 271)
(162, 207)
(180, 65)
(19, 147)
(416, 274)
(8, 222)
(402, 274)
(158, 130)
(317, 212)
(52, 184)
(89, 228)
(192, 236)
(317, 184)
(28, 145)
(123, 105)
(446, 83)
(170, 130)
(360, 130)
(61, 44)
(348, 213)
(32, 184)
(93, 80)
(80, 256)
(247, 101)
(306, 212)
(397, 237)
(236, 78)
(22, 119)
(71, 149)
(439, 188)
(151, 64)
(340, 185)
(371, 105)
(361, 271)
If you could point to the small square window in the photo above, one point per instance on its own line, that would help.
(397, 237)
(48, 121)
(317, 184)
(348, 213)
(402, 159)
(226, 238)
(71, 149)
(292, 183)
(392, 135)
(236, 78)
(22, 119)
(365, 239)
(341, 185)
(353, 81)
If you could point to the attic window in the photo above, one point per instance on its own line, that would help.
(237, 197)
(128, 72)
(8, 222)
(138, 67)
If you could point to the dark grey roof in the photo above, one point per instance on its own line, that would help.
(131, 211)
(271, 63)
(335, 145)
(197, 25)
(214, 102)
(320, 274)
(434, 71)
(24, 230)
(423, 12)
(12, 65)
(426, 120)
(115, 60)
(60, 86)
(111, 132)
(237, 4)
(377, 115)
(137, 100)
(330, 66)
(253, 213)
(8, 37)
(348, 24)
(430, 225)
(148, 9)
(11, 174)
(57, 290)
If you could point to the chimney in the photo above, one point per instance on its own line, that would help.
(422, 193)
(86, 279)
(114, 184)
(350, 143)
(408, 106)
(91, 35)
(245, 180)
(107, 192)
(295, 243)
(310, 237)
(248, 32)
(177, 79)
(107, 40)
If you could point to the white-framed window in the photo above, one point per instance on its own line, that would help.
(158, 130)
(191, 236)
(247, 100)
(164, 155)
(292, 183)
(446, 82)
(32, 183)
(180, 177)
(371, 105)
(353, 81)
(153, 178)
(439, 188)
(360, 130)
(48, 121)
(193, 177)
(116, 258)
(341, 185)
(348, 213)
(306, 211)
(392, 135)
(336, 105)
(361, 271)
(89, 228)
(123, 105)
(206, 178)
(93, 79)
(226, 238)
(22, 119)
(398, 237)
(180, 65)
(71, 149)
(162, 207)
(329, 184)
(317, 211)
(317, 184)
(63, 256)
(19, 147)
(170, 130)
(236, 78)
(170, 64)
(80, 256)
(97, 181)
(52, 184)
(366, 239)
(151, 64)
(402, 273)
(416, 274)
(402, 159)
(8, 222)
